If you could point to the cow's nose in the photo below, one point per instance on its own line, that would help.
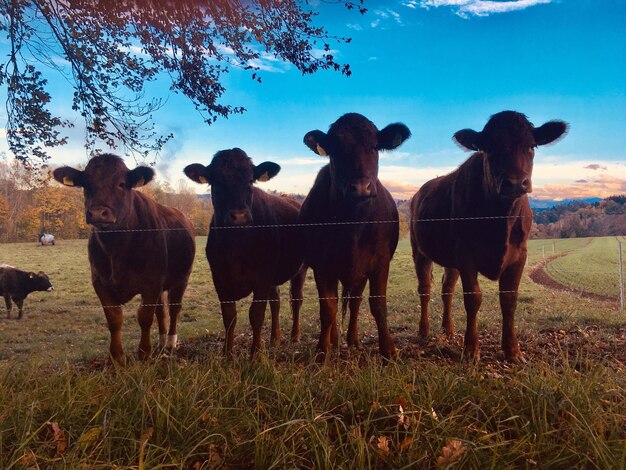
(100, 215)
(239, 217)
(361, 188)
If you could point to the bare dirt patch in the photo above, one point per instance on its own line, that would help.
(539, 276)
(580, 347)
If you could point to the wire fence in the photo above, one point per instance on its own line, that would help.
(415, 295)
(315, 224)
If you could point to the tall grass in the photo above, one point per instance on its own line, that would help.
(60, 409)
(264, 414)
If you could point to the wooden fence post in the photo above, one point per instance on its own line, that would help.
(621, 276)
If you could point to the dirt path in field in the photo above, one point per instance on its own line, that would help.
(539, 276)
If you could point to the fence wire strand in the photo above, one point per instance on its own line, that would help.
(317, 224)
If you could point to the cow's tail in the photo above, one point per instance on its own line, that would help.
(345, 300)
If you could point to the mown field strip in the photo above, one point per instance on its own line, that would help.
(591, 268)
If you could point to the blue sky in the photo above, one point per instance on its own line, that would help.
(438, 66)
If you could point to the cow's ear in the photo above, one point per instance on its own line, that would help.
(550, 132)
(468, 139)
(198, 173)
(140, 176)
(317, 141)
(69, 176)
(266, 171)
(392, 136)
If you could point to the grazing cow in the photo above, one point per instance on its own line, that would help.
(46, 239)
(136, 247)
(15, 285)
(486, 219)
(252, 246)
(352, 230)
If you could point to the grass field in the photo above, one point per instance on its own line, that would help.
(61, 408)
(592, 267)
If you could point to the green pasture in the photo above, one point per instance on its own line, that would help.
(591, 266)
(62, 408)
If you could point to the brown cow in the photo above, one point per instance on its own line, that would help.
(15, 285)
(354, 225)
(136, 247)
(252, 245)
(485, 222)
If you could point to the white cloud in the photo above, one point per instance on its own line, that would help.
(355, 26)
(265, 66)
(300, 161)
(466, 8)
(385, 16)
(319, 53)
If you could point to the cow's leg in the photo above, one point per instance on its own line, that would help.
(160, 316)
(145, 317)
(20, 308)
(378, 306)
(114, 314)
(472, 298)
(328, 299)
(9, 304)
(274, 300)
(257, 317)
(229, 318)
(354, 302)
(424, 271)
(174, 301)
(509, 284)
(450, 276)
(296, 286)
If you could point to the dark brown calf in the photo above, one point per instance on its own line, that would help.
(137, 246)
(252, 245)
(15, 285)
(354, 225)
(485, 222)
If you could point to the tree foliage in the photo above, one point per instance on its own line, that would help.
(109, 50)
(582, 219)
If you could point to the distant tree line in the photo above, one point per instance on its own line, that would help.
(581, 219)
(31, 203)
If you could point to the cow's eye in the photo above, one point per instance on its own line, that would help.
(122, 185)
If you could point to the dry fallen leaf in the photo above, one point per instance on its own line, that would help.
(451, 452)
(406, 443)
(89, 437)
(28, 459)
(382, 444)
(57, 438)
(404, 421)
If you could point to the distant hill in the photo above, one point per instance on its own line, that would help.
(581, 218)
(549, 203)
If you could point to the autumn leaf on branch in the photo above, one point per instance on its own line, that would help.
(109, 50)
